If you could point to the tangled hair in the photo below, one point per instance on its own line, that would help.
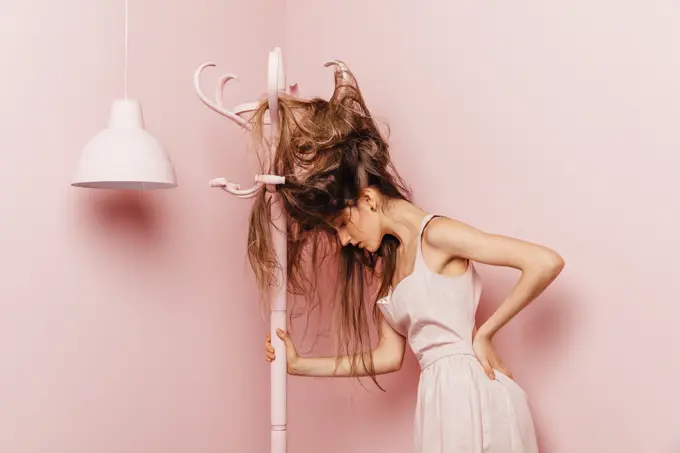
(328, 151)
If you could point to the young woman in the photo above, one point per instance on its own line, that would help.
(413, 270)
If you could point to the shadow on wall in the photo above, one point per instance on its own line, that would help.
(132, 215)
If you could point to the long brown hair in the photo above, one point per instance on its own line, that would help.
(328, 151)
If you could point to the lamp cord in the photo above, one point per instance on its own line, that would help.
(126, 49)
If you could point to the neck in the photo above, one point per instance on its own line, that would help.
(402, 220)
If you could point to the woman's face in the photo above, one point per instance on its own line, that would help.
(359, 225)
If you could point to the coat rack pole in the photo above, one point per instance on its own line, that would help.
(276, 82)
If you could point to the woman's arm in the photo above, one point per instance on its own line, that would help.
(539, 265)
(388, 356)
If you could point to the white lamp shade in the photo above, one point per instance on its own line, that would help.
(124, 155)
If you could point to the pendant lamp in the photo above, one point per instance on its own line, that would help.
(125, 156)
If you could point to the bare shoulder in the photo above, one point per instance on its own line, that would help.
(442, 230)
(462, 240)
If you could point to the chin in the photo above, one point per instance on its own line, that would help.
(371, 249)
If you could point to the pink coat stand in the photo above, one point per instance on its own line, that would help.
(276, 82)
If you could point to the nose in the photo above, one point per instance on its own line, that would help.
(344, 238)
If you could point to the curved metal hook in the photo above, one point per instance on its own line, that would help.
(250, 107)
(235, 189)
(276, 83)
(218, 105)
(341, 70)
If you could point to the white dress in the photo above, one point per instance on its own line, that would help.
(459, 409)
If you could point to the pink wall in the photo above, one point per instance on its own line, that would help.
(127, 324)
(553, 122)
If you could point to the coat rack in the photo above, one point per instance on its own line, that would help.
(276, 83)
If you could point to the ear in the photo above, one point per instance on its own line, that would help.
(370, 197)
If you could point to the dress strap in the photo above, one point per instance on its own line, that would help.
(419, 250)
(424, 222)
(418, 259)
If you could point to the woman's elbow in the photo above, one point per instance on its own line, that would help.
(395, 364)
(557, 263)
(392, 360)
(552, 264)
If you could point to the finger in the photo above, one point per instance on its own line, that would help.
(488, 369)
(269, 337)
(500, 366)
(283, 335)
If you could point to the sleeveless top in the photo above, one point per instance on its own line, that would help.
(436, 313)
